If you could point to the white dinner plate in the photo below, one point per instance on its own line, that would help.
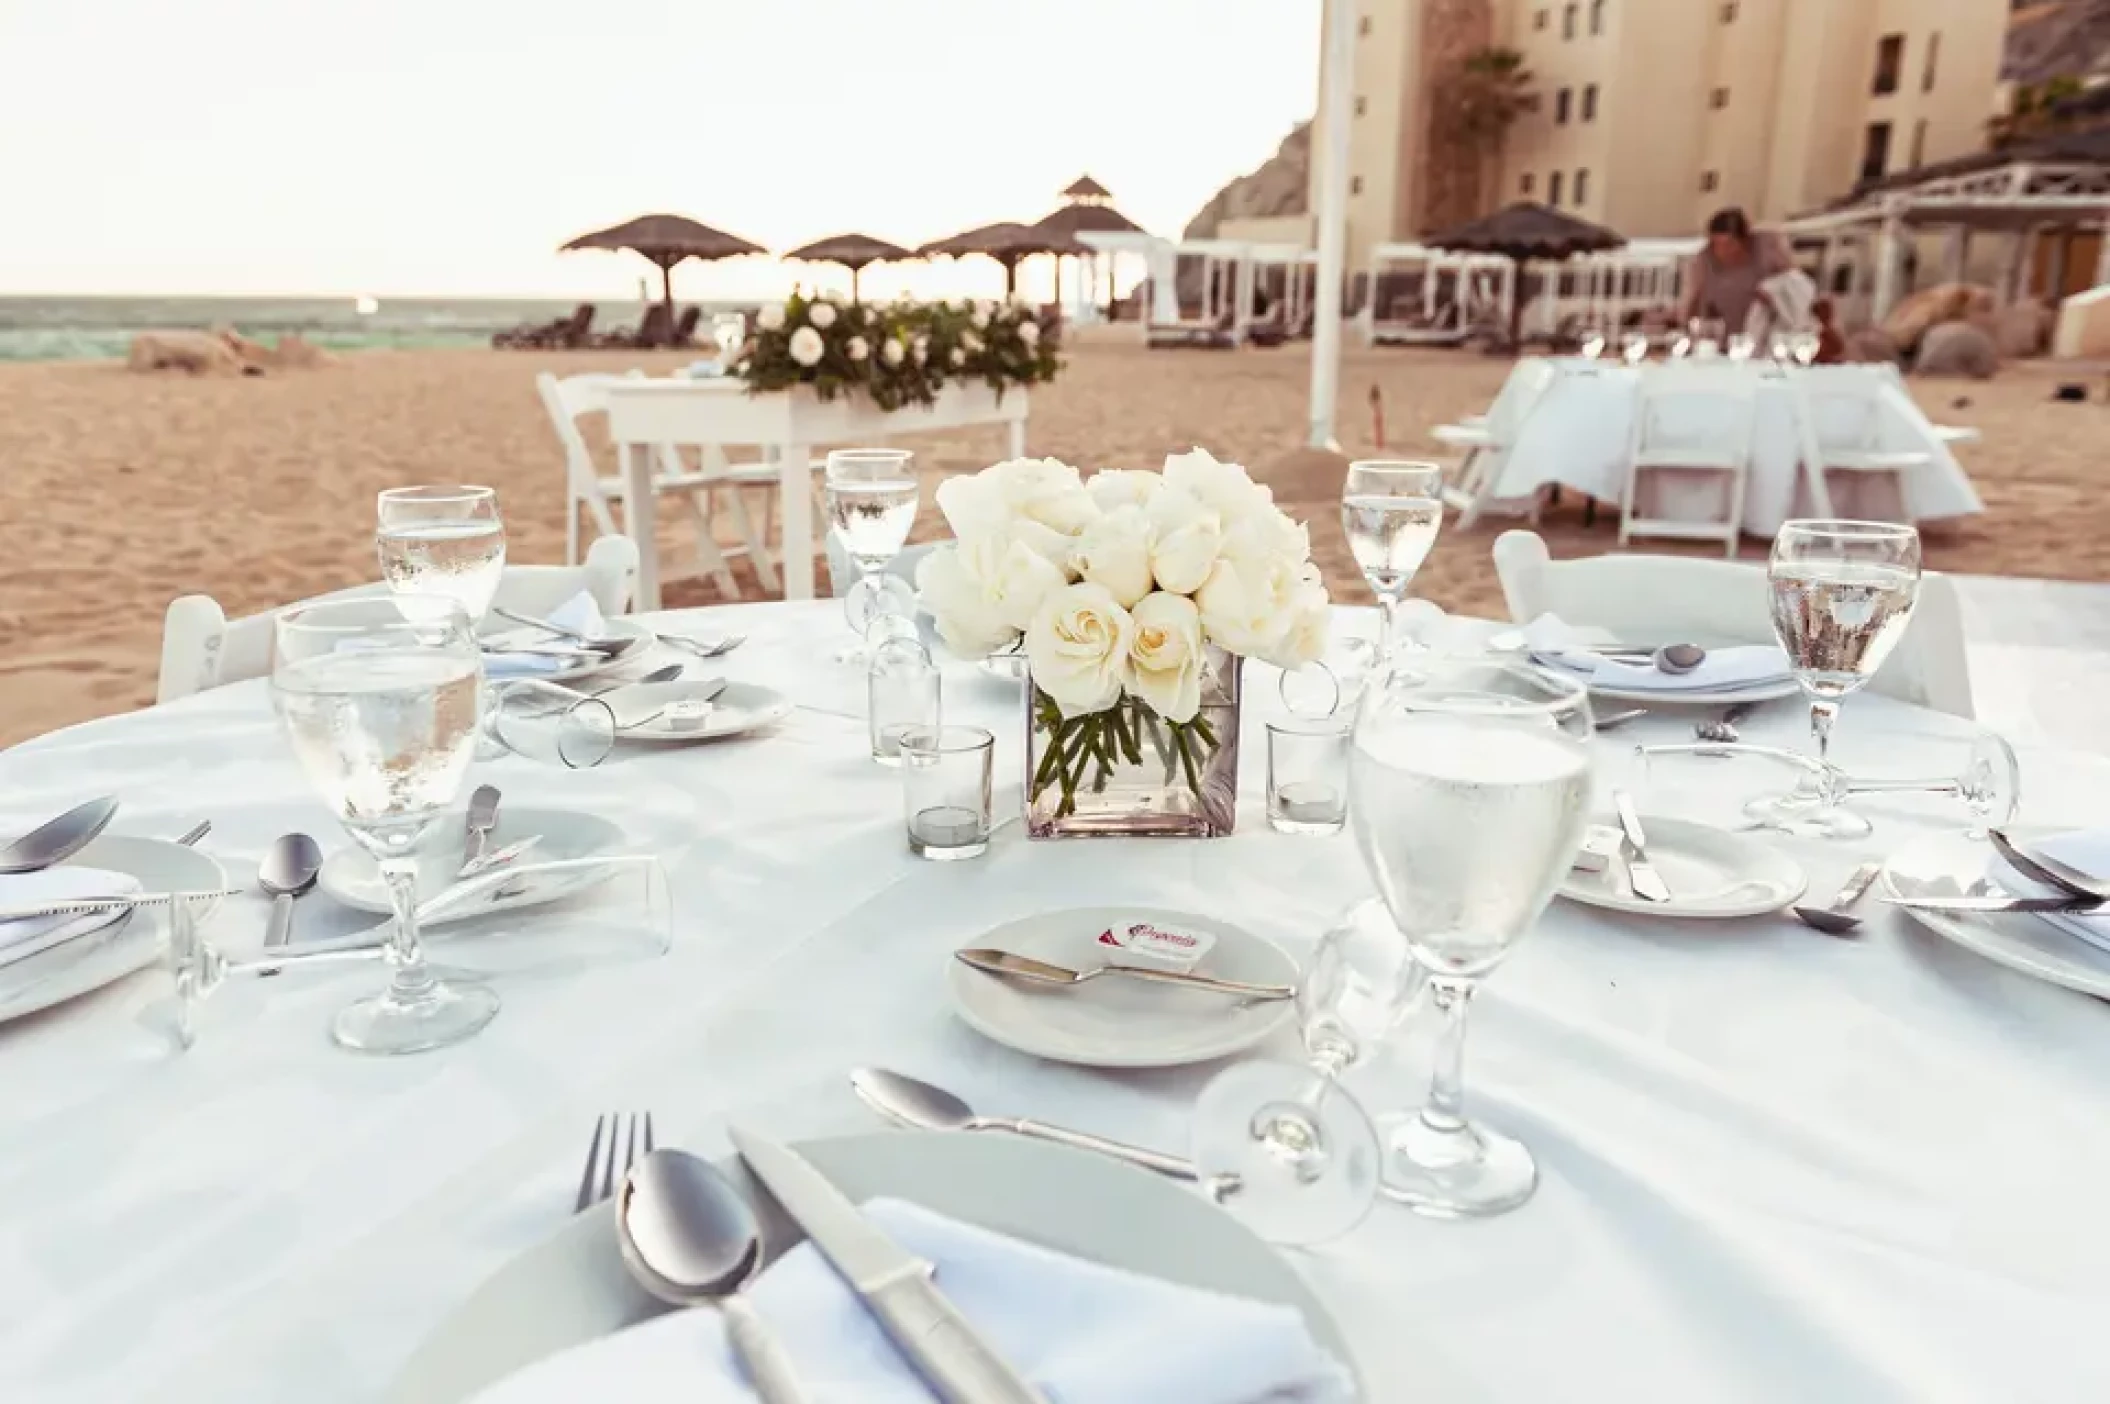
(350, 875)
(740, 708)
(635, 638)
(572, 1288)
(114, 951)
(1712, 873)
(1115, 1022)
(1953, 865)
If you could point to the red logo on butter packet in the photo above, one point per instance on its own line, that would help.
(1172, 945)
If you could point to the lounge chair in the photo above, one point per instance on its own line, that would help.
(685, 329)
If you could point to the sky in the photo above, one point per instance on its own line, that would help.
(447, 147)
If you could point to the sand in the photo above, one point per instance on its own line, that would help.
(120, 491)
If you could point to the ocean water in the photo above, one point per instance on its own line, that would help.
(76, 328)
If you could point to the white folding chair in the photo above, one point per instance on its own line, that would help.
(1839, 429)
(1665, 599)
(201, 648)
(568, 399)
(1485, 441)
(1695, 421)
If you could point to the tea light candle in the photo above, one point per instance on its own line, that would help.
(946, 826)
(1310, 802)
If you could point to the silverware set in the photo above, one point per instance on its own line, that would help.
(578, 642)
(1011, 966)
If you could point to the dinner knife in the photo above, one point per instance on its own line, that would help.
(1998, 902)
(83, 906)
(1648, 883)
(896, 1286)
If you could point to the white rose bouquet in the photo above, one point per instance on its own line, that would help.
(1133, 596)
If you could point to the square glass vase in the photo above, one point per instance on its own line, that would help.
(1128, 773)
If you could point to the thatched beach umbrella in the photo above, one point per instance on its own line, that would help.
(1522, 233)
(1088, 209)
(666, 240)
(1006, 243)
(852, 251)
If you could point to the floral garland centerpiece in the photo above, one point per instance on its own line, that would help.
(1134, 597)
(897, 354)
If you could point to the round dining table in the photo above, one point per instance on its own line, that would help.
(1774, 1164)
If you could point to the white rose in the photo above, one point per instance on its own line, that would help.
(1261, 537)
(1186, 539)
(1077, 648)
(1029, 332)
(857, 348)
(983, 592)
(807, 347)
(921, 349)
(959, 357)
(970, 343)
(981, 505)
(821, 314)
(1114, 551)
(770, 317)
(890, 351)
(1310, 618)
(1224, 486)
(1165, 661)
(1123, 487)
(979, 318)
(1045, 490)
(1247, 611)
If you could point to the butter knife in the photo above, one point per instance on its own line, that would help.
(928, 1330)
(83, 906)
(1648, 883)
(1995, 902)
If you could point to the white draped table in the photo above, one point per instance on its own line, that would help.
(1775, 1165)
(1579, 433)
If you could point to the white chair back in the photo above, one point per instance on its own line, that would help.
(201, 648)
(1697, 421)
(1716, 603)
(567, 401)
(841, 573)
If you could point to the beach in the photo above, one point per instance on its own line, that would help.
(122, 491)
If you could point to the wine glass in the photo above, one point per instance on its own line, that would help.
(1741, 348)
(1633, 348)
(1843, 594)
(1283, 1145)
(442, 541)
(872, 496)
(1391, 512)
(1707, 334)
(1469, 791)
(1806, 344)
(380, 700)
(729, 330)
(1592, 342)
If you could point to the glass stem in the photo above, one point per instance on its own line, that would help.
(1823, 713)
(1388, 620)
(1445, 1109)
(413, 980)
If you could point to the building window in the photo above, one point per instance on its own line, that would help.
(1525, 182)
(1361, 105)
(1539, 20)
(1728, 11)
(1560, 108)
(1890, 57)
(1355, 185)
(1718, 99)
(1875, 151)
(1567, 21)
(1582, 188)
(1597, 16)
(1933, 58)
(1919, 142)
(1589, 107)
(1553, 188)
(1709, 182)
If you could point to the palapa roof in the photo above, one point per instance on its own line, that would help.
(1527, 230)
(1085, 188)
(666, 239)
(1006, 242)
(852, 251)
(1074, 219)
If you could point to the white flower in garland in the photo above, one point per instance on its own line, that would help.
(807, 348)
(970, 343)
(821, 314)
(771, 317)
(891, 351)
(921, 349)
(959, 357)
(858, 348)
(979, 318)
(1029, 332)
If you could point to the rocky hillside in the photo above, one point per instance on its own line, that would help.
(1276, 188)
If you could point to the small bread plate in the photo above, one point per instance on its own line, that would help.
(677, 712)
(1713, 874)
(350, 875)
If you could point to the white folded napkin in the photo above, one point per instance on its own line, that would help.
(1080, 1332)
(1557, 645)
(580, 613)
(25, 937)
(2086, 849)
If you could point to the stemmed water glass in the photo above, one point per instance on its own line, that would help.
(1988, 782)
(1391, 511)
(1843, 594)
(729, 330)
(872, 495)
(1633, 348)
(1469, 791)
(379, 698)
(442, 541)
(1591, 343)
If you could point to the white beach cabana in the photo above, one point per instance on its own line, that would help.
(1457, 290)
(1604, 289)
(1231, 274)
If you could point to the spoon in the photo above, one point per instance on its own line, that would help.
(1833, 920)
(690, 1240)
(2050, 871)
(907, 1101)
(287, 873)
(57, 840)
(1722, 730)
(1011, 965)
(1679, 659)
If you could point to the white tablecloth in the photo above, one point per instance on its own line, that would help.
(1775, 1165)
(1578, 433)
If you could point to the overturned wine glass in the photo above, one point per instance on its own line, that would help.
(1987, 778)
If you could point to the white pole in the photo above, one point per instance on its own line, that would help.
(1339, 76)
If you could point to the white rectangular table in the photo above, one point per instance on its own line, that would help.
(714, 413)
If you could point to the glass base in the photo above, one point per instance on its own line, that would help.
(947, 854)
(447, 1012)
(1807, 815)
(1463, 1171)
(1287, 1151)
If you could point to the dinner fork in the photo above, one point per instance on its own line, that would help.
(602, 1174)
